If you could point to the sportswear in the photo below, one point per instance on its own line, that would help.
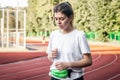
(71, 47)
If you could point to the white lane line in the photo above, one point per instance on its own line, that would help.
(103, 65)
(46, 74)
(24, 65)
(35, 76)
(99, 55)
(112, 78)
(24, 71)
(20, 61)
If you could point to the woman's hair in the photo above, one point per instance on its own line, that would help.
(64, 8)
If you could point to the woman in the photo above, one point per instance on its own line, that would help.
(68, 48)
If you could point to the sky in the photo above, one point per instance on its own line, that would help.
(13, 3)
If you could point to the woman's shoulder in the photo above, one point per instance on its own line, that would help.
(54, 32)
(79, 32)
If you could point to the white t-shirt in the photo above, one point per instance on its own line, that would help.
(71, 47)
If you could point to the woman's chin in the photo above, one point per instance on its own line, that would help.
(61, 27)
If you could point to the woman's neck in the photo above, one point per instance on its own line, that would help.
(67, 30)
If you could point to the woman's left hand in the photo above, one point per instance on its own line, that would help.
(61, 65)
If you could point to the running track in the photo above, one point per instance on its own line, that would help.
(106, 66)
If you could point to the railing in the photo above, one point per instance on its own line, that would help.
(13, 39)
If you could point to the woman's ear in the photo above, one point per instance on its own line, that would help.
(71, 18)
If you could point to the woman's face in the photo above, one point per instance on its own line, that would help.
(62, 21)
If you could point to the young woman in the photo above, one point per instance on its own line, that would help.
(68, 48)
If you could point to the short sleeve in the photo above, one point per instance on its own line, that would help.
(83, 43)
(49, 48)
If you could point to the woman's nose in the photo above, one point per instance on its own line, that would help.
(58, 22)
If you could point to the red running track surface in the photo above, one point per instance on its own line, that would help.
(8, 57)
(105, 67)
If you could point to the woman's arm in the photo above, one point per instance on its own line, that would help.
(86, 61)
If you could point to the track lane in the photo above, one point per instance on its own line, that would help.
(39, 72)
(101, 61)
(106, 71)
(21, 63)
(23, 68)
(115, 77)
(25, 74)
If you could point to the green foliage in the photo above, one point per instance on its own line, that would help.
(0, 14)
(98, 16)
(39, 16)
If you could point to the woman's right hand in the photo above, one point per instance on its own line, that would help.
(53, 54)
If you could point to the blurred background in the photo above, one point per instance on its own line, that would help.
(100, 19)
(25, 28)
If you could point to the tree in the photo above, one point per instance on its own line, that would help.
(99, 16)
